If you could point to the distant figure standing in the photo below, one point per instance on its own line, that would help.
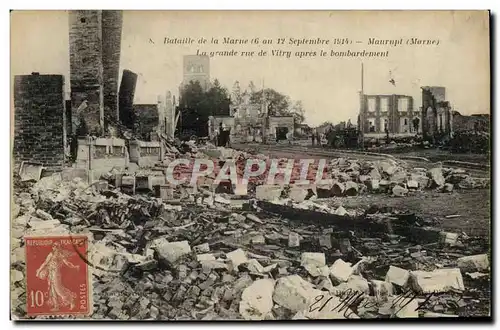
(318, 139)
(313, 137)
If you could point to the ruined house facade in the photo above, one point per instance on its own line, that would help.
(437, 115)
(395, 113)
(95, 43)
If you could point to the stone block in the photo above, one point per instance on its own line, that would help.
(172, 251)
(398, 276)
(314, 263)
(439, 280)
(294, 293)
(479, 262)
(340, 271)
(257, 300)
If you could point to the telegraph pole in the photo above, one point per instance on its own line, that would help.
(362, 110)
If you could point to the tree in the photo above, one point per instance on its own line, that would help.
(298, 113)
(217, 100)
(236, 95)
(277, 103)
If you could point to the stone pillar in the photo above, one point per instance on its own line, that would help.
(86, 68)
(39, 123)
(112, 21)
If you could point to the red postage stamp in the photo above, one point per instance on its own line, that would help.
(57, 276)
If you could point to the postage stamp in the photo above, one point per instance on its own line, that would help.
(57, 276)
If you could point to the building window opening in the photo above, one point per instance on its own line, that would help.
(372, 126)
(83, 19)
(281, 133)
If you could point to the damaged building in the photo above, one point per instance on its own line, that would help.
(436, 113)
(95, 43)
(393, 113)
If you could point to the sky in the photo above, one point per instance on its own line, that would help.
(327, 86)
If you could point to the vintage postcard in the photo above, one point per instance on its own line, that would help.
(250, 165)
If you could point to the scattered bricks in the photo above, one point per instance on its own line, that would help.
(238, 217)
(154, 312)
(382, 289)
(255, 267)
(340, 211)
(436, 177)
(144, 302)
(237, 257)
(273, 238)
(293, 240)
(257, 300)
(398, 276)
(314, 263)
(254, 218)
(412, 184)
(448, 187)
(268, 192)
(325, 241)
(297, 194)
(294, 293)
(373, 184)
(448, 238)
(351, 188)
(338, 189)
(340, 271)
(173, 251)
(477, 262)
(208, 265)
(399, 191)
(202, 248)
(43, 215)
(439, 280)
(205, 257)
(258, 239)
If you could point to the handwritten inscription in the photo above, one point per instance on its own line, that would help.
(343, 302)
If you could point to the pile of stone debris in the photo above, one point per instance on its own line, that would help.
(351, 177)
(210, 257)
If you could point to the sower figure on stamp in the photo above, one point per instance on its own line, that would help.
(51, 271)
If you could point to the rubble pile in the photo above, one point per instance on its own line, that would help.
(352, 177)
(211, 258)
